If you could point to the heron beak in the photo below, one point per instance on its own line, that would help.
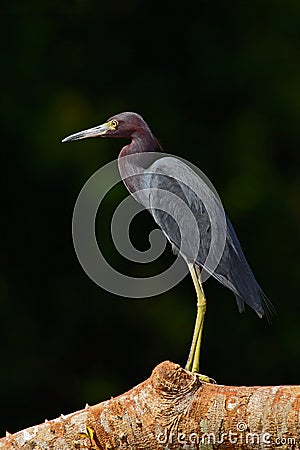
(100, 130)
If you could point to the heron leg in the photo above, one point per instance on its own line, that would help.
(194, 355)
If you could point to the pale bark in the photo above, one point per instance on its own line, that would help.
(173, 409)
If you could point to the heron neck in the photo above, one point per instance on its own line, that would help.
(135, 158)
(141, 142)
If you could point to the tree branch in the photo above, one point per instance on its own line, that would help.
(173, 409)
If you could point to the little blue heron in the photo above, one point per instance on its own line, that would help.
(232, 270)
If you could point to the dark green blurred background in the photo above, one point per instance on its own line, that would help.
(220, 86)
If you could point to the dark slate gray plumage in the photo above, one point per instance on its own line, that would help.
(233, 271)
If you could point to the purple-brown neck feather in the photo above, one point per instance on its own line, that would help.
(141, 142)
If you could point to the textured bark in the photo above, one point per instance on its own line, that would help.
(173, 409)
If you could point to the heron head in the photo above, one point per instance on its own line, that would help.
(122, 125)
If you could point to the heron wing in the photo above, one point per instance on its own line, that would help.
(178, 209)
(176, 194)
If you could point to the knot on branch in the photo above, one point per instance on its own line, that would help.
(169, 379)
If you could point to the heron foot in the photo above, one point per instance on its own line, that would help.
(205, 378)
(202, 377)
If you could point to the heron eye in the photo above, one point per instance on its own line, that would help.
(114, 123)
